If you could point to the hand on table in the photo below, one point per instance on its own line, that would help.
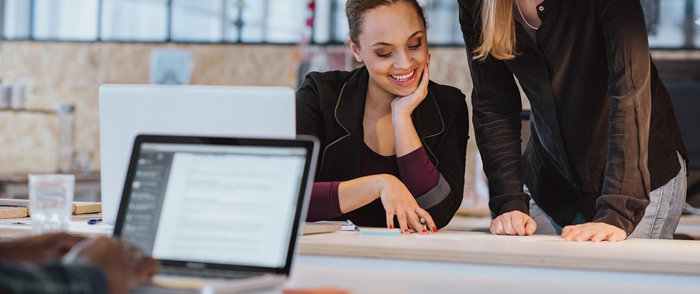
(593, 231)
(397, 200)
(124, 266)
(36, 248)
(513, 223)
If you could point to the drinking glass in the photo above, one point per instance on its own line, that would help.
(50, 202)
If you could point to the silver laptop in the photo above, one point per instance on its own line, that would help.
(129, 110)
(221, 214)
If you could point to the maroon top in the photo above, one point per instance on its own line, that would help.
(414, 169)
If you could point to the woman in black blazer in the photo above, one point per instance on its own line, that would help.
(605, 160)
(393, 143)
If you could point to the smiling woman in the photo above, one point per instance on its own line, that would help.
(395, 50)
(393, 142)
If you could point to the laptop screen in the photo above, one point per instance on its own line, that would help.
(210, 203)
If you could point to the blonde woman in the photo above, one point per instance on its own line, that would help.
(605, 160)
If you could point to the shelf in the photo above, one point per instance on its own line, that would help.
(41, 111)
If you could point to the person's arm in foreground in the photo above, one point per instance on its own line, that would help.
(99, 265)
(51, 278)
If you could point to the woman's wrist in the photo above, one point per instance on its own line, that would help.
(401, 122)
(384, 182)
(400, 115)
(406, 139)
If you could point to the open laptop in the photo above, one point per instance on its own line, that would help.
(221, 214)
(129, 110)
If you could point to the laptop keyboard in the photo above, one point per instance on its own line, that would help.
(207, 273)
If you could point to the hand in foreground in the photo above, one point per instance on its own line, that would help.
(593, 231)
(36, 248)
(513, 223)
(406, 104)
(124, 266)
(397, 200)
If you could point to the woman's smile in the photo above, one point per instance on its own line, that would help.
(404, 79)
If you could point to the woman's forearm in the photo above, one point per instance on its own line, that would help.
(406, 138)
(396, 199)
(417, 172)
(359, 192)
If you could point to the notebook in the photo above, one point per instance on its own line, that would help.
(221, 214)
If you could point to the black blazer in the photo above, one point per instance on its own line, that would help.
(603, 129)
(331, 107)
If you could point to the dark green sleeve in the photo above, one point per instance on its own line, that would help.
(51, 278)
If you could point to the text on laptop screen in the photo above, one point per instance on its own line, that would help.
(217, 204)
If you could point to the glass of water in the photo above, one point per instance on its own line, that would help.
(50, 202)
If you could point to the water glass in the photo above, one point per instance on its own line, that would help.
(50, 202)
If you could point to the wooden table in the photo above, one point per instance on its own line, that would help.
(11, 229)
(634, 255)
(473, 262)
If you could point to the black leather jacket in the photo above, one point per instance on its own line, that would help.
(603, 129)
(331, 107)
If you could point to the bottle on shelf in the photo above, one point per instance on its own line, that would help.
(66, 128)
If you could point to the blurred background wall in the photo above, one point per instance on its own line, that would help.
(63, 50)
(71, 72)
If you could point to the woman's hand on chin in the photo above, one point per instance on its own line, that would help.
(399, 202)
(404, 105)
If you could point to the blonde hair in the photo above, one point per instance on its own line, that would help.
(497, 30)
